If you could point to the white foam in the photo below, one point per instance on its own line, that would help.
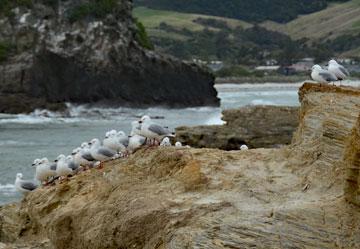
(15, 143)
(7, 188)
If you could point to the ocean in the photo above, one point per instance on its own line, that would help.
(24, 138)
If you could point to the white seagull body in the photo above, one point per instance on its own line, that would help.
(24, 186)
(44, 170)
(321, 75)
(135, 142)
(99, 152)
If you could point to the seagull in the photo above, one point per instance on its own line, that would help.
(321, 75)
(178, 144)
(82, 156)
(117, 141)
(151, 130)
(100, 152)
(135, 142)
(44, 169)
(165, 142)
(340, 72)
(24, 186)
(244, 147)
(65, 166)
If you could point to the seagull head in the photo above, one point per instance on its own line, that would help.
(333, 62)
(75, 151)
(19, 176)
(166, 140)
(178, 144)
(120, 133)
(60, 157)
(110, 133)
(244, 147)
(44, 160)
(36, 162)
(84, 145)
(144, 119)
(94, 141)
(69, 158)
(316, 67)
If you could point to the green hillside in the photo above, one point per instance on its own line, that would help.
(336, 20)
(252, 11)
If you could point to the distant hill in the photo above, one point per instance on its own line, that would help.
(248, 10)
(332, 22)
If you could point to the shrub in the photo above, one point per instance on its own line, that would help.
(98, 9)
(142, 37)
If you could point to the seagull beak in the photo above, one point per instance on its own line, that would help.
(140, 122)
(89, 143)
(32, 165)
(56, 160)
(73, 153)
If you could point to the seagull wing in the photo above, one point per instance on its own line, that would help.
(29, 186)
(158, 129)
(344, 70)
(106, 152)
(87, 156)
(328, 76)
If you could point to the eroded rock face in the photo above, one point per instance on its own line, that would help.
(91, 60)
(255, 126)
(292, 197)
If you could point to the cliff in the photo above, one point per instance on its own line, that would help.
(87, 51)
(255, 126)
(298, 196)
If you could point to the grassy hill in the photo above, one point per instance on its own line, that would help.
(336, 20)
(152, 20)
(249, 10)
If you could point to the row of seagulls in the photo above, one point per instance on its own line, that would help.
(335, 72)
(92, 154)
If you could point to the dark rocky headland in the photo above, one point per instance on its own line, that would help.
(87, 51)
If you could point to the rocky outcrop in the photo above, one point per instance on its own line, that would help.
(255, 126)
(292, 197)
(87, 52)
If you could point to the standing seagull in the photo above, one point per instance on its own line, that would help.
(99, 152)
(340, 72)
(154, 131)
(65, 166)
(321, 75)
(44, 170)
(24, 186)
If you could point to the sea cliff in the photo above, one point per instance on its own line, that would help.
(88, 51)
(304, 195)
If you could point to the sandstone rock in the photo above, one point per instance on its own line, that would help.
(291, 197)
(255, 126)
(91, 60)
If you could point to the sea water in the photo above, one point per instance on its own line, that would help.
(24, 138)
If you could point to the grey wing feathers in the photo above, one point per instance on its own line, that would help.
(158, 129)
(73, 166)
(53, 166)
(142, 140)
(28, 186)
(344, 71)
(124, 141)
(328, 76)
(106, 152)
(88, 157)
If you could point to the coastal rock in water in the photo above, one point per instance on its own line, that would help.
(87, 52)
(255, 126)
(292, 197)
